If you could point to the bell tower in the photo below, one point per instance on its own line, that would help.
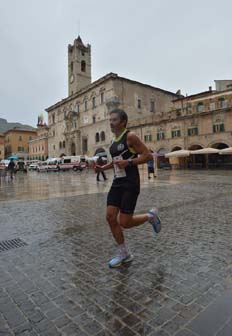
(79, 66)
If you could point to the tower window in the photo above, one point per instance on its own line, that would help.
(71, 66)
(94, 102)
(86, 105)
(94, 119)
(102, 97)
(152, 106)
(83, 66)
(139, 104)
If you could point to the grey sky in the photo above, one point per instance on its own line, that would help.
(169, 44)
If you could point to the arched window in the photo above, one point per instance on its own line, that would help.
(103, 137)
(60, 144)
(97, 138)
(63, 144)
(83, 66)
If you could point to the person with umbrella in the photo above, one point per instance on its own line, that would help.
(11, 168)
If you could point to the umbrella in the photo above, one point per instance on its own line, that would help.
(102, 154)
(99, 150)
(227, 151)
(205, 151)
(13, 157)
(178, 153)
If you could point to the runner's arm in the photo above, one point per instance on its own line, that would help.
(138, 146)
(105, 167)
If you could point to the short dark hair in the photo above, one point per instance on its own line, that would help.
(121, 113)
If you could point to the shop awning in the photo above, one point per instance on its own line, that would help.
(225, 151)
(205, 151)
(178, 153)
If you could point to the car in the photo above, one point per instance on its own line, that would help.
(33, 166)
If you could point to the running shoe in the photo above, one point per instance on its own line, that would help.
(154, 220)
(120, 260)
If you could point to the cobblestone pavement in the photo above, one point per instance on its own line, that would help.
(180, 282)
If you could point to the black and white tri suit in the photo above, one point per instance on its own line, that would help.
(126, 183)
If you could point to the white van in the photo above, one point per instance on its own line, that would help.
(76, 163)
(48, 165)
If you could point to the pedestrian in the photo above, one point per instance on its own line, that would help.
(150, 166)
(100, 162)
(123, 194)
(11, 168)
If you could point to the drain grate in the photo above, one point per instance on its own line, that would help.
(10, 244)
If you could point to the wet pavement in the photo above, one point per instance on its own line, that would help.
(180, 282)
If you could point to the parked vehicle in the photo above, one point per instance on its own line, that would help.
(77, 163)
(33, 166)
(48, 165)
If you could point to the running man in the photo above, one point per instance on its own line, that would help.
(122, 197)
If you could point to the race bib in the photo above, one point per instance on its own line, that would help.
(118, 172)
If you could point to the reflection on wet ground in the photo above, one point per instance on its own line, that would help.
(60, 284)
(62, 184)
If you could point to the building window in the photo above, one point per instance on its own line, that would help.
(83, 66)
(94, 102)
(103, 137)
(20, 138)
(85, 145)
(78, 108)
(63, 144)
(53, 118)
(212, 106)
(160, 135)
(71, 66)
(200, 107)
(53, 133)
(60, 144)
(152, 106)
(94, 119)
(97, 137)
(192, 131)
(218, 127)
(176, 133)
(139, 103)
(102, 98)
(86, 105)
(54, 147)
(189, 108)
(222, 102)
(148, 138)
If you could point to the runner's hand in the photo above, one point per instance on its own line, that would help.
(121, 163)
(98, 169)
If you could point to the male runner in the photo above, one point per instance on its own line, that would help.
(122, 197)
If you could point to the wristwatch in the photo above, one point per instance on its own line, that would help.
(130, 162)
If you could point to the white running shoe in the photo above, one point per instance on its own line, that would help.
(120, 260)
(154, 220)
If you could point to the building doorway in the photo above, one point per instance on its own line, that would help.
(73, 149)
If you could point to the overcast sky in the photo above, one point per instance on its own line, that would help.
(181, 44)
